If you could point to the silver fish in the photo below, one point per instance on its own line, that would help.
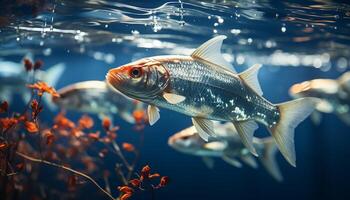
(96, 98)
(227, 146)
(334, 96)
(206, 87)
(13, 80)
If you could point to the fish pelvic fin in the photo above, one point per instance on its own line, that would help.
(153, 114)
(249, 160)
(246, 131)
(292, 113)
(208, 161)
(210, 51)
(250, 77)
(232, 161)
(268, 157)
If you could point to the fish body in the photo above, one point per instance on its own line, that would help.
(227, 146)
(334, 96)
(206, 87)
(211, 93)
(96, 98)
(13, 79)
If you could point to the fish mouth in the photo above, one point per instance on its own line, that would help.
(296, 89)
(114, 78)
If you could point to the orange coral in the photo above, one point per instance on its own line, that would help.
(43, 87)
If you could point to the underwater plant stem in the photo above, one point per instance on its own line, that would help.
(120, 154)
(65, 168)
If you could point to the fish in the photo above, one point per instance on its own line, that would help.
(95, 97)
(334, 95)
(227, 146)
(14, 78)
(206, 87)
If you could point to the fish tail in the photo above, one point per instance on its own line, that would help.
(292, 113)
(268, 157)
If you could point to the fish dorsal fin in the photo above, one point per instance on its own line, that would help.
(250, 77)
(246, 131)
(211, 51)
(173, 98)
(204, 127)
(153, 114)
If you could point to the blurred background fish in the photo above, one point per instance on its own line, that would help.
(227, 146)
(96, 98)
(13, 79)
(334, 96)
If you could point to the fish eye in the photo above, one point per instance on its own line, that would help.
(135, 72)
(185, 137)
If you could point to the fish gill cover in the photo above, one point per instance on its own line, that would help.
(66, 134)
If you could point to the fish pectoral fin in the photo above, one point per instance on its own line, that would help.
(250, 77)
(153, 114)
(249, 160)
(211, 51)
(232, 161)
(173, 98)
(205, 127)
(246, 130)
(208, 161)
(215, 146)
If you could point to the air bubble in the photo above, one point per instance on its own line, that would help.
(283, 29)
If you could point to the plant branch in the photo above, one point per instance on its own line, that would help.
(67, 169)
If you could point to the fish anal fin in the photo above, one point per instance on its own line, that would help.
(250, 77)
(246, 130)
(210, 51)
(153, 114)
(205, 127)
(173, 98)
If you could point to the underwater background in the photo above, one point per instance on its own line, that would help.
(294, 40)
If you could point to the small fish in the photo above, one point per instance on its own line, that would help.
(334, 96)
(228, 146)
(95, 97)
(206, 87)
(14, 78)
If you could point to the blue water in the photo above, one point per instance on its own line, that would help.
(295, 40)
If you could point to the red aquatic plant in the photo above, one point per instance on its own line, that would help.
(62, 144)
(42, 88)
(145, 182)
(4, 107)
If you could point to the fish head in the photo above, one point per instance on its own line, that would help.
(187, 141)
(319, 88)
(142, 80)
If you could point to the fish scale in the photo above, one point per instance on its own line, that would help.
(215, 94)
